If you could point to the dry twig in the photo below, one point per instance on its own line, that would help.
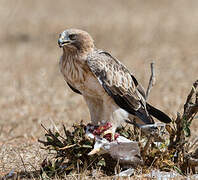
(151, 80)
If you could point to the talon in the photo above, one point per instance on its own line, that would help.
(108, 137)
(101, 129)
(109, 131)
(105, 131)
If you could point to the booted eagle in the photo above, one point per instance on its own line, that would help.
(112, 93)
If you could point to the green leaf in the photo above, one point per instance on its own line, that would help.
(178, 170)
(125, 134)
(57, 134)
(49, 139)
(101, 163)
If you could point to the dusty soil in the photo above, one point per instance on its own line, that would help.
(32, 90)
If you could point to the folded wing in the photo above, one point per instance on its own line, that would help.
(119, 84)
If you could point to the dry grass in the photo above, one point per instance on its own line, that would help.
(32, 89)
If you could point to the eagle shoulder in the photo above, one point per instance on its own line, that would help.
(116, 80)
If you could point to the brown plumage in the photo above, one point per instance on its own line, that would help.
(111, 92)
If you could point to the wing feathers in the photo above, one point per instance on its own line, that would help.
(119, 84)
(141, 113)
(158, 114)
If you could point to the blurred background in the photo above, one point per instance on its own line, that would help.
(32, 90)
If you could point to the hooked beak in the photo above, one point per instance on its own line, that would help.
(62, 42)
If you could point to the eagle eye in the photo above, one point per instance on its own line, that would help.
(72, 36)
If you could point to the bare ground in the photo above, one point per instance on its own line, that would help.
(32, 90)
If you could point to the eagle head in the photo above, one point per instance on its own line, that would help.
(75, 40)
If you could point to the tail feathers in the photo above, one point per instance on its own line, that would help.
(157, 114)
(141, 113)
